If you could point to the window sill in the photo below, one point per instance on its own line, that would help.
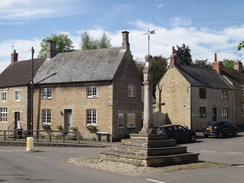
(95, 97)
(131, 127)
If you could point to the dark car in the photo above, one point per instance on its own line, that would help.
(219, 129)
(177, 132)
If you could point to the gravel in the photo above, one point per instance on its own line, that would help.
(133, 170)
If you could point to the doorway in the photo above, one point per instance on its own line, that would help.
(17, 120)
(214, 114)
(67, 119)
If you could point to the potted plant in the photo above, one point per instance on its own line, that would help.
(73, 128)
(60, 127)
(46, 126)
(91, 128)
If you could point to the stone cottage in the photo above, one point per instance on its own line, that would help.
(97, 91)
(15, 89)
(192, 96)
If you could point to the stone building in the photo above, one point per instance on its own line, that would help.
(236, 79)
(98, 91)
(192, 96)
(15, 89)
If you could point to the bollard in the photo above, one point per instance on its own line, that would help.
(29, 144)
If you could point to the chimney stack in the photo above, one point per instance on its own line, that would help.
(125, 40)
(172, 58)
(217, 65)
(51, 49)
(14, 57)
(238, 66)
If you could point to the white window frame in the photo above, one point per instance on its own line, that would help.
(131, 91)
(17, 95)
(121, 120)
(3, 114)
(46, 116)
(131, 120)
(4, 96)
(91, 91)
(91, 117)
(47, 93)
(225, 112)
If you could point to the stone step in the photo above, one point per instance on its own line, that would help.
(135, 151)
(149, 144)
(143, 137)
(154, 161)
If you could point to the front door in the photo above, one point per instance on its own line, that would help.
(214, 114)
(17, 120)
(67, 119)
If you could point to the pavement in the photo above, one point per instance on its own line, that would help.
(22, 142)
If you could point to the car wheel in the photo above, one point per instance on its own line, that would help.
(192, 138)
(220, 135)
(234, 133)
(206, 136)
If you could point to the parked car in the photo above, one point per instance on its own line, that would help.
(177, 132)
(219, 129)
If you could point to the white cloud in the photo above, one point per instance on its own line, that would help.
(24, 9)
(203, 42)
(180, 21)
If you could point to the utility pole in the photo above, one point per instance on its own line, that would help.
(32, 90)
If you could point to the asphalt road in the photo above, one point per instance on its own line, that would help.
(17, 165)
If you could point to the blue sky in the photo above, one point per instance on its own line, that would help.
(207, 26)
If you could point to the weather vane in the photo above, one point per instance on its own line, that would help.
(148, 33)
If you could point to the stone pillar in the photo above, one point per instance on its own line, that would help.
(148, 124)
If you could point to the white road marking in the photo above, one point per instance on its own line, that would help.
(155, 181)
(208, 151)
(5, 150)
(40, 157)
(234, 152)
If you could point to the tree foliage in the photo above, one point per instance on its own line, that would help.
(63, 44)
(159, 67)
(228, 63)
(240, 46)
(202, 64)
(183, 55)
(88, 43)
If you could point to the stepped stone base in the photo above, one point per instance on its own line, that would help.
(149, 150)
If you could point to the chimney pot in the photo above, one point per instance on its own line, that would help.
(51, 49)
(238, 66)
(172, 58)
(125, 40)
(14, 57)
(217, 65)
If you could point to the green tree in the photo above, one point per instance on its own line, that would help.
(159, 67)
(88, 43)
(240, 46)
(183, 55)
(202, 64)
(63, 44)
(228, 63)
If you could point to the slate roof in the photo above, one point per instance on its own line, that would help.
(234, 76)
(201, 77)
(81, 66)
(19, 73)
